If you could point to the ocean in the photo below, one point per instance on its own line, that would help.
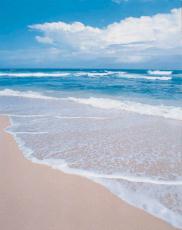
(119, 128)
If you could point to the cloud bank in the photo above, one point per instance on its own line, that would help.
(132, 40)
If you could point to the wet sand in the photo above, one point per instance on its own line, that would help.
(37, 197)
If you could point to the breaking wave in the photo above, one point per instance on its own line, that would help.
(34, 74)
(171, 112)
(140, 76)
(136, 107)
(26, 94)
(153, 75)
(159, 72)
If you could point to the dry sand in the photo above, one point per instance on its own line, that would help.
(36, 197)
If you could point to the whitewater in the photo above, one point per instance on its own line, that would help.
(119, 128)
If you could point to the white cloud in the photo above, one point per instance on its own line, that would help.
(130, 40)
(46, 40)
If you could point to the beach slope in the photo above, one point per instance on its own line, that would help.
(36, 197)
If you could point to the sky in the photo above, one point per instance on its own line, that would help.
(91, 34)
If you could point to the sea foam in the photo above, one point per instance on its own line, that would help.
(130, 106)
(33, 74)
(159, 72)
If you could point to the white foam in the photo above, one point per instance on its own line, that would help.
(55, 163)
(26, 94)
(140, 200)
(136, 107)
(137, 179)
(34, 74)
(159, 72)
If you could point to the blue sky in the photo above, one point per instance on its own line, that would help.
(24, 44)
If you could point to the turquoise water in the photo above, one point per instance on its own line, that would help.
(121, 128)
(141, 84)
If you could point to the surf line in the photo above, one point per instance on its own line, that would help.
(137, 179)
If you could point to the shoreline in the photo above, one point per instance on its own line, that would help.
(34, 196)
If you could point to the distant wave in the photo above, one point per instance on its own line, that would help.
(122, 74)
(140, 76)
(26, 94)
(136, 107)
(34, 74)
(159, 72)
(153, 75)
(94, 74)
(56, 74)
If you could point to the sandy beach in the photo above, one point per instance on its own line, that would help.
(36, 197)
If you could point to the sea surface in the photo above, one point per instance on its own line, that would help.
(120, 128)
